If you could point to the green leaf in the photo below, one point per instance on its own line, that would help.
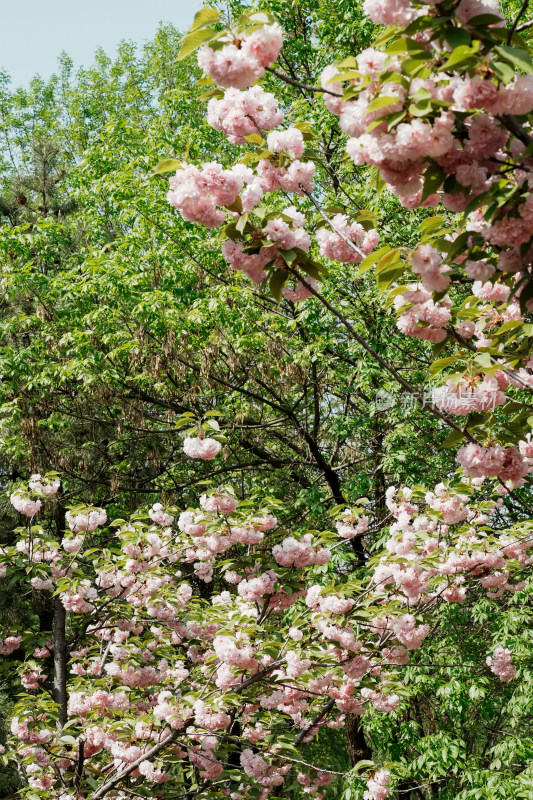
(484, 359)
(204, 17)
(433, 179)
(477, 202)
(509, 326)
(254, 138)
(441, 364)
(241, 224)
(363, 765)
(453, 438)
(371, 259)
(389, 275)
(387, 260)
(277, 281)
(396, 118)
(166, 165)
(421, 109)
(457, 36)
(462, 55)
(503, 71)
(483, 20)
(195, 39)
(367, 219)
(405, 45)
(516, 56)
(312, 269)
(381, 102)
(430, 225)
(289, 256)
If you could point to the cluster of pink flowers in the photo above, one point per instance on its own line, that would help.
(212, 720)
(30, 678)
(400, 154)
(230, 653)
(290, 140)
(241, 114)
(252, 264)
(89, 521)
(501, 665)
(427, 263)
(452, 506)
(350, 525)
(80, 703)
(208, 765)
(159, 516)
(80, 600)
(377, 787)
(335, 244)
(29, 732)
(204, 448)
(72, 544)
(9, 645)
(297, 178)
(146, 638)
(383, 12)
(495, 461)
(198, 193)
(468, 395)
(408, 633)
(219, 503)
(311, 785)
(25, 505)
(479, 92)
(147, 769)
(299, 553)
(301, 292)
(330, 603)
(285, 232)
(256, 767)
(381, 701)
(243, 58)
(44, 485)
(472, 155)
(286, 236)
(420, 316)
(254, 589)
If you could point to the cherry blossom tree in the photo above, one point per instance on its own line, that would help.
(147, 681)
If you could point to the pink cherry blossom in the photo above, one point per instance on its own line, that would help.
(240, 62)
(501, 665)
(219, 503)
(290, 140)
(159, 516)
(240, 114)
(206, 449)
(24, 505)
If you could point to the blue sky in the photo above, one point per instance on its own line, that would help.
(34, 32)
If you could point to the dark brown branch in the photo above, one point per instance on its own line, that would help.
(512, 124)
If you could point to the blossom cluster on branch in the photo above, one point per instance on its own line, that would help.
(438, 108)
(160, 678)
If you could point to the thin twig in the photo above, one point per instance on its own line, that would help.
(299, 85)
(522, 11)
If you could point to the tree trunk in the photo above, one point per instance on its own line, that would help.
(356, 745)
(60, 661)
(60, 643)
